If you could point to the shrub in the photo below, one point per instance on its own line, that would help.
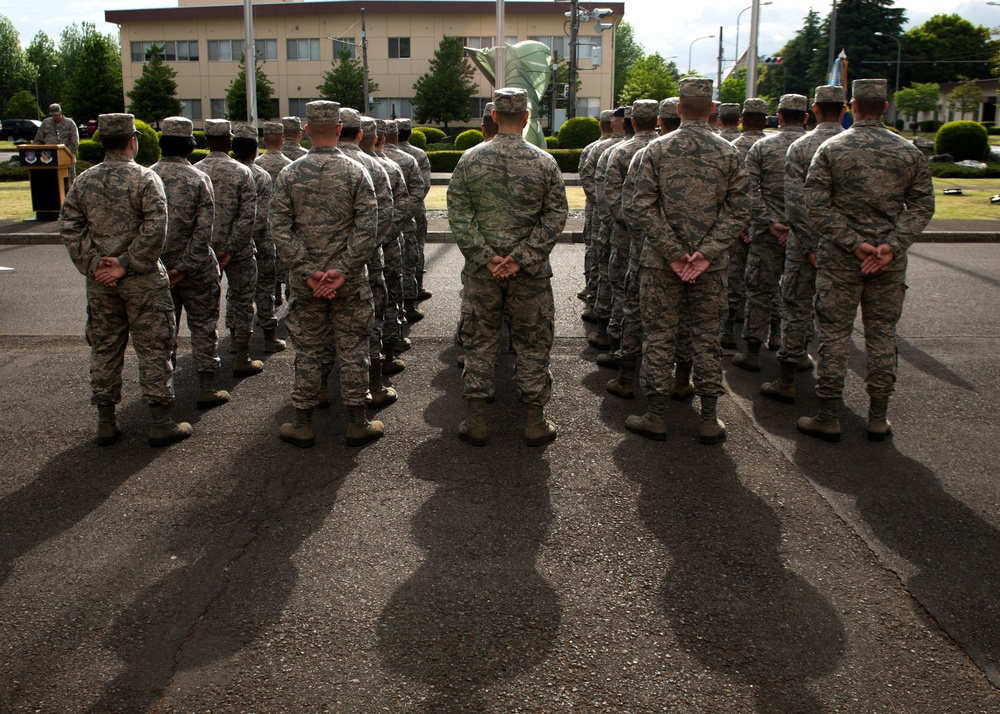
(552, 142)
(90, 151)
(950, 171)
(199, 138)
(11, 171)
(418, 139)
(963, 140)
(993, 131)
(149, 144)
(893, 129)
(433, 134)
(197, 155)
(444, 161)
(568, 159)
(439, 147)
(931, 126)
(468, 139)
(578, 132)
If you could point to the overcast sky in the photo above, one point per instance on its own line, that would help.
(682, 22)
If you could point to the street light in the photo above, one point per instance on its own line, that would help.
(899, 58)
(738, 17)
(691, 48)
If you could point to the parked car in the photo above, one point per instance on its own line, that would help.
(11, 129)
(772, 122)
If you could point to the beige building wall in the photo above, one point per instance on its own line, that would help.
(208, 80)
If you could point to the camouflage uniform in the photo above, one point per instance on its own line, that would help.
(119, 209)
(65, 132)
(392, 250)
(291, 146)
(324, 217)
(506, 198)
(605, 228)
(264, 249)
(730, 112)
(273, 161)
(416, 190)
(424, 164)
(588, 216)
(738, 253)
(588, 179)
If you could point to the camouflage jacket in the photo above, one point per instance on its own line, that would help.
(235, 204)
(690, 195)
(803, 238)
(411, 172)
(506, 197)
(293, 150)
(730, 134)
(867, 184)
(588, 166)
(324, 216)
(264, 191)
(400, 194)
(116, 209)
(423, 163)
(383, 191)
(272, 162)
(765, 163)
(65, 132)
(746, 140)
(610, 190)
(190, 215)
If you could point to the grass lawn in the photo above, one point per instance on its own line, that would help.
(15, 201)
(7, 146)
(436, 199)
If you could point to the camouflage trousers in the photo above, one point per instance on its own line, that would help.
(602, 254)
(392, 272)
(838, 294)
(380, 301)
(765, 264)
(798, 288)
(737, 268)
(198, 296)
(241, 283)
(263, 296)
(591, 256)
(530, 310)
(621, 242)
(588, 253)
(631, 330)
(345, 322)
(141, 310)
(666, 302)
(421, 238)
(410, 258)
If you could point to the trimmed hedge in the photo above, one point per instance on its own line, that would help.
(418, 139)
(993, 130)
(440, 146)
(12, 171)
(197, 155)
(930, 126)
(552, 142)
(90, 151)
(468, 139)
(444, 161)
(199, 138)
(577, 132)
(950, 171)
(963, 140)
(568, 159)
(433, 134)
(149, 144)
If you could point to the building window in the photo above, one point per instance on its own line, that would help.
(588, 107)
(477, 107)
(303, 49)
(478, 43)
(392, 107)
(225, 50)
(140, 50)
(191, 108)
(297, 107)
(589, 47)
(344, 43)
(399, 48)
(266, 50)
(558, 43)
(219, 109)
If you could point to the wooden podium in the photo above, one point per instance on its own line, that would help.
(48, 174)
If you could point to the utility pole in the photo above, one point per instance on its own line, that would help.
(832, 54)
(250, 63)
(574, 30)
(364, 61)
(752, 50)
(718, 72)
(552, 104)
(500, 71)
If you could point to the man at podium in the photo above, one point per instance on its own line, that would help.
(58, 129)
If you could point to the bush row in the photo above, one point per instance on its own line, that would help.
(445, 161)
(951, 171)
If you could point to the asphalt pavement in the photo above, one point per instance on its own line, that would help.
(601, 573)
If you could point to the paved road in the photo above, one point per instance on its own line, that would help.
(602, 573)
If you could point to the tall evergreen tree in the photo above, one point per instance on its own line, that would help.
(153, 98)
(443, 94)
(236, 95)
(93, 82)
(801, 69)
(42, 54)
(345, 83)
(15, 72)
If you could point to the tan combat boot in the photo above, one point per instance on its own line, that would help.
(473, 429)
(359, 430)
(610, 359)
(382, 396)
(300, 433)
(208, 396)
(825, 425)
(271, 343)
(783, 388)
(537, 429)
(711, 430)
(107, 428)
(599, 338)
(624, 384)
(651, 424)
(391, 364)
(879, 426)
(682, 389)
(244, 366)
(164, 431)
(750, 359)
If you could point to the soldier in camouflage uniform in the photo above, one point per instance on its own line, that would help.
(586, 171)
(324, 220)
(245, 148)
(798, 283)
(729, 121)
(869, 195)
(58, 129)
(417, 190)
(290, 145)
(423, 163)
(690, 200)
(488, 124)
(754, 119)
(232, 239)
(507, 207)
(769, 230)
(191, 264)
(114, 224)
(273, 161)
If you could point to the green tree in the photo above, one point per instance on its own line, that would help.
(946, 39)
(627, 52)
(90, 64)
(652, 77)
(153, 98)
(22, 106)
(966, 97)
(236, 95)
(734, 87)
(42, 54)
(801, 69)
(918, 97)
(345, 83)
(444, 93)
(562, 79)
(15, 72)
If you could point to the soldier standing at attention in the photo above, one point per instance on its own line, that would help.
(324, 219)
(191, 264)
(57, 129)
(690, 200)
(869, 195)
(114, 224)
(232, 238)
(798, 283)
(290, 145)
(586, 171)
(423, 163)
(489, 125)
(273, 161)
(411, 250)
(507, 207)
(729, 120)
(769, 230)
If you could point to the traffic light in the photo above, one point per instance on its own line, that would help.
(773, 60)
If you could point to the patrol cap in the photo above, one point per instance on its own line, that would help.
(116, 125)
(490, 106)
(368, 125)
(273, 127)
(619, 112)
(869, 89)
(668, 108)
(292, 125)
(645, 108)
(730, 110)
(245, 131)
(695, 87)
(830, 93)
(404, 125)
(755, 106)
(218, 127)
(350, 118)
(322, 112)
(54, 109)
(607, 115)
(380, 126)
(628, 111)
(391, 128)
(177, 126)
(510, 100)
(793, 102)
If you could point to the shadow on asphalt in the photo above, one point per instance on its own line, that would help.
(928, 365)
